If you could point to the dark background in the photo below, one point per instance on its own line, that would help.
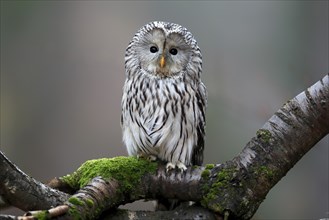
(62, 74)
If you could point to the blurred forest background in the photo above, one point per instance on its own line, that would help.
(62, 72)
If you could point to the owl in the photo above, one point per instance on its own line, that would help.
(164, 100)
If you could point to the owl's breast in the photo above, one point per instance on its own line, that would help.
(169, 107)
(161, 116)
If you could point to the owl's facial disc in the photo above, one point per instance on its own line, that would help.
(163, 54)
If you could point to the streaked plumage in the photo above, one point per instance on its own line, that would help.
(164, 100)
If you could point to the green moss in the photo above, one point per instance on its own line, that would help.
(205, 174)
(127, 170)
(89, 203)
(76, 201)
(74, 208)
(209, 166)
(215, 190)
(42, 215)
(264, 135)
(75, 213)
(263, 170)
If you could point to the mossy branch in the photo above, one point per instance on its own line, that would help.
(235, 188)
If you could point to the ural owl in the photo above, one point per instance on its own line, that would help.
(164, 100)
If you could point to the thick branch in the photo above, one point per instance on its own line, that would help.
(290, 133)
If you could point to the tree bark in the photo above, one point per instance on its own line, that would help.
(235, 188)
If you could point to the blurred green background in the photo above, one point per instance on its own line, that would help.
(62, 72)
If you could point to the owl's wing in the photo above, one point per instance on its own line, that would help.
(201, 95)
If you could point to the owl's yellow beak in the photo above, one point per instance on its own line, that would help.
(162, 61)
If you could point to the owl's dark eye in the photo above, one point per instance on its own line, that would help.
(153, 49)
(173, 51)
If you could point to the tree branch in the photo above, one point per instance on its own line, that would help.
(24, 192)
(236, 187)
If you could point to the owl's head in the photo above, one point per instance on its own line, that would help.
(163, 49)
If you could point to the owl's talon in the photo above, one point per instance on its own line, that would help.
(181, 167)
(152, 158)
(140, 156)
(170, 166)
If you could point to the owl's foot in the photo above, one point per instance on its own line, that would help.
(181, 166)
(172, 166)
(152, 158)
(147, 157)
